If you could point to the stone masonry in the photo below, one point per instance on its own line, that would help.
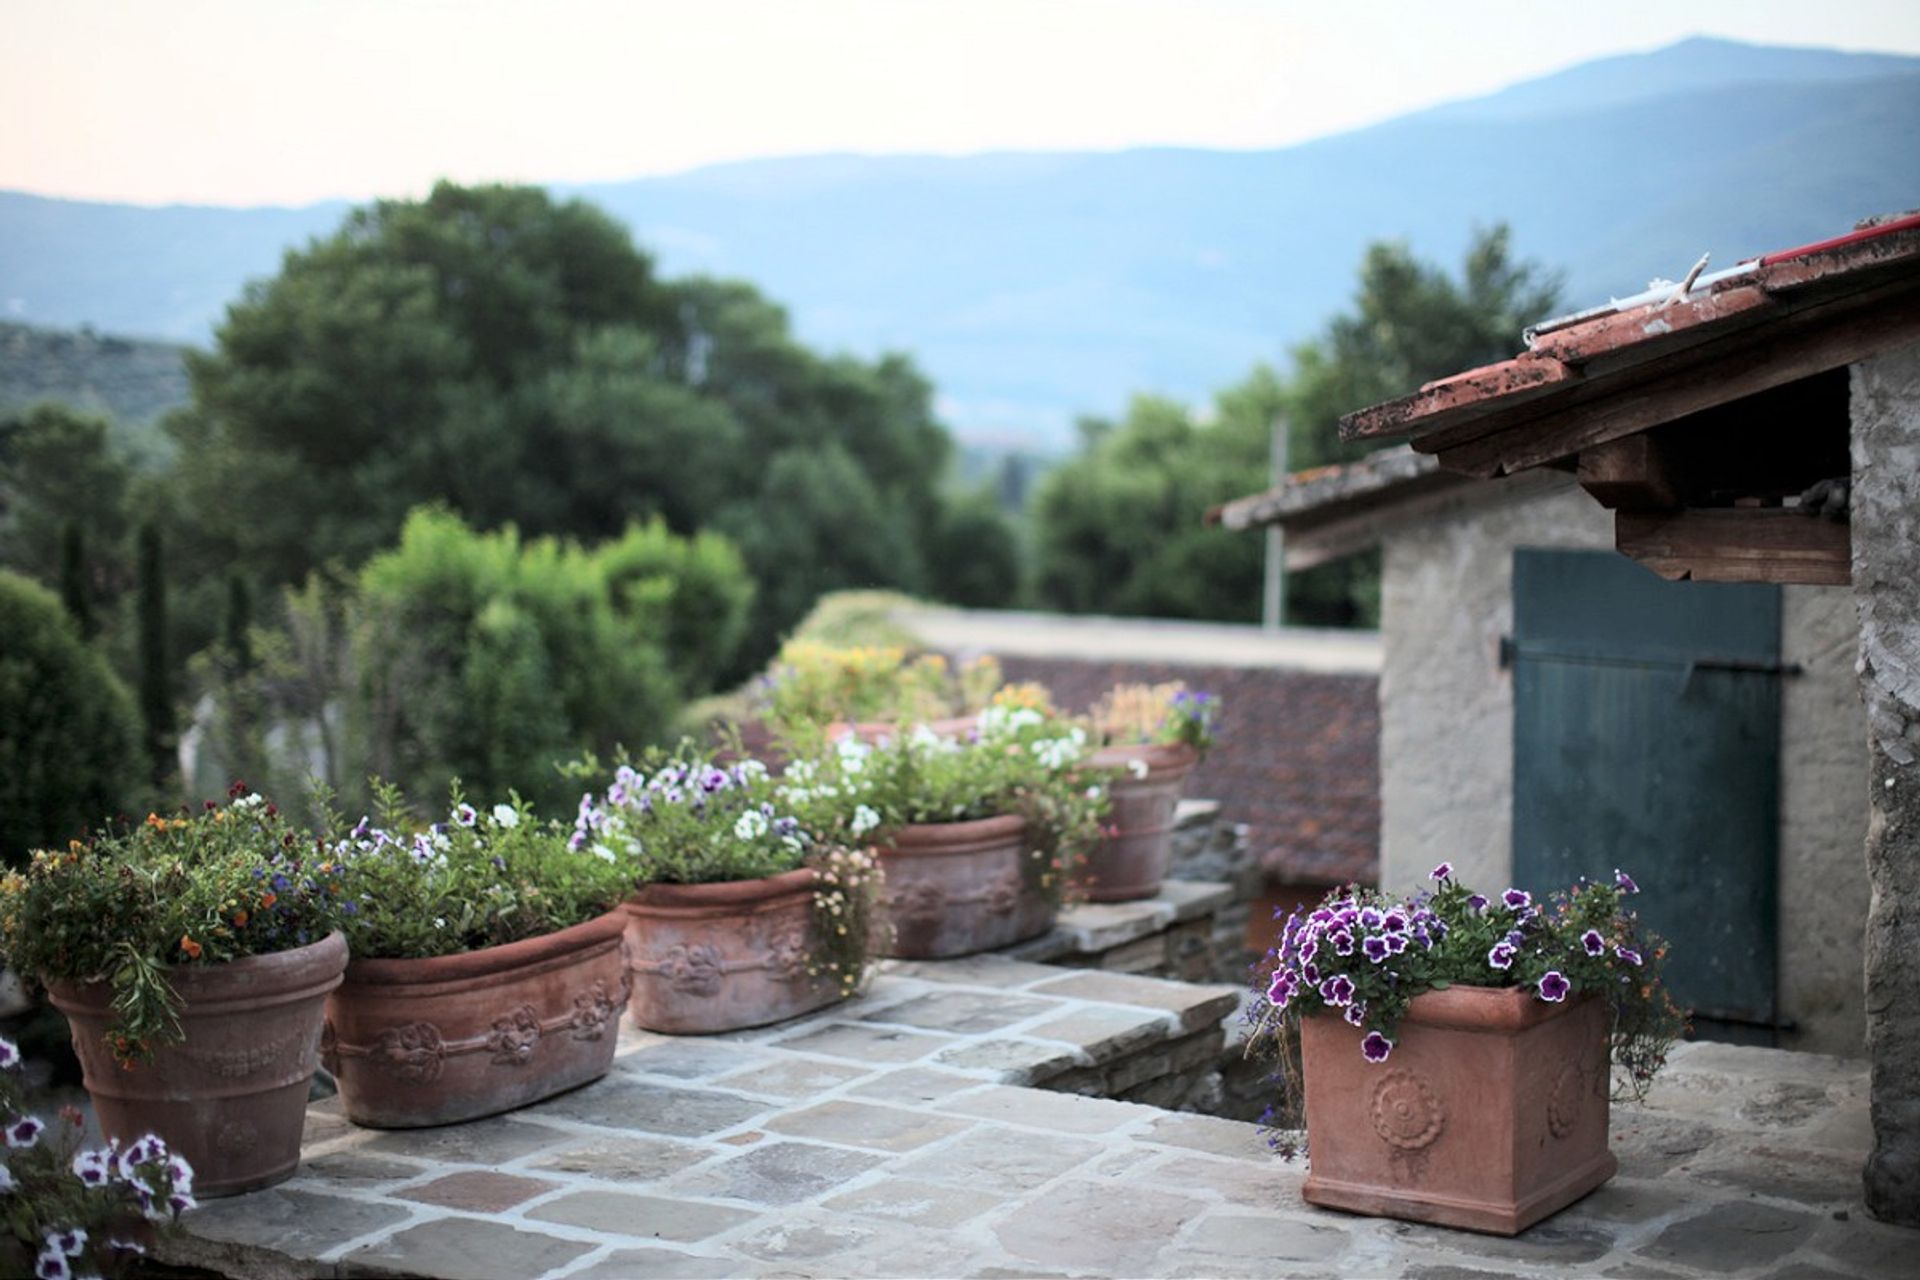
(893, 1136)
(1886, 565)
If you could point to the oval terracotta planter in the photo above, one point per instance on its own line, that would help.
(446, 1038)
(719, 957)
(1489, 1114)
(1131, 862)
(231, 1096)
(954, 888)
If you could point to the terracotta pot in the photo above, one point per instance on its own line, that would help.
(719, 957)
(446, 1038)
(1132, 862)
(1490, 1114)
(872, 731)
(232, 1095)
(953, 888)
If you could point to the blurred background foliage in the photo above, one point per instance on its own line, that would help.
(467, 487)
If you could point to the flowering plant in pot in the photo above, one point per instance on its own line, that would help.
(1453, 1048)
(874, 690)
(740, 913)
(191, 955)
(487, 971)
(71, 1211)
(1153, 735)
(978, 835)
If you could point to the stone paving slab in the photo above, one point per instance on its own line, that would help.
(851, 1144)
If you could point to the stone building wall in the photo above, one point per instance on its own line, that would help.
(1446, 737)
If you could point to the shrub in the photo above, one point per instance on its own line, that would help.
(68, 729)
(693, 593)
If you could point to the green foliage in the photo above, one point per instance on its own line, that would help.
(59, 467)
(69, 733)
(482, 657)
(156, 676)
(692, 593)
(481, 878)
(973, 554)
(75, 593)
(219, 883)
(1121, 527)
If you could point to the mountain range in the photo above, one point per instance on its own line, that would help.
(1034, 287)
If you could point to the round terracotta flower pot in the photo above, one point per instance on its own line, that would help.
(445, 1038)
(953, 888)
(719, 957)
(1490, 1112)
(231, 1096)
(874, 731)
(1131, 861)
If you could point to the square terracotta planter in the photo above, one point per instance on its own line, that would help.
(1490, 1114)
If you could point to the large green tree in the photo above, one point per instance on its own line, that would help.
(1118, 528)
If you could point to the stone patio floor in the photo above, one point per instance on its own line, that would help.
(895, 1136)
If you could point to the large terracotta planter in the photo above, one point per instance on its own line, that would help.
(1490, 1114)
(232, 1095)
(719, 957)
(446, 1038)
(953, 888)
(1132, 861)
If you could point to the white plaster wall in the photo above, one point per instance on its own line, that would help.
(1446, 738)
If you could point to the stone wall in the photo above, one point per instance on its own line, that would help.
(1297, 763)
(1446, 736)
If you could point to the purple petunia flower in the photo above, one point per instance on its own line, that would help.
(1341, 940)
(1501, 957)
(1626, 953)
(1396, 942)
(52, 1265)
(1394, 922)
(1281, 990)
(1624, 882)
(91, 1168)
(1310, 972)
(1517, 898)
(1337, 991)
(715, 780)
(1309, 949)
(1442, 872)
(1593, 943)
(1356, 1014)
(24, 1132)
(1376, 949)
(1475, 902)
(466, 816)
(1554, 986)
(9, 1054)
(1375, 1047)
(1370, 917)
(70, 1242)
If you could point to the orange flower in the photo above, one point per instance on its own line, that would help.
(269, 900)
(157, 822)
(239, 919)
(190, 947)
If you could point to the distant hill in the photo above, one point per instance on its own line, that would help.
(1034, 287)
(130, 380)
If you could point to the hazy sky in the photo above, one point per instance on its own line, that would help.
(289, 101)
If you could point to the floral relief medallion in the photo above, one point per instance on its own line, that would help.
(694, 969)
(920, 903)
(414, 1052)
(593, 1010)
(1564, 1104)
(787, 954)
(1405, 1111)
(1003, 894)
(514, 1036)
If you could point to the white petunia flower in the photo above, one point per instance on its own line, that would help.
(751, 826)
(506, 816)
(864, 820)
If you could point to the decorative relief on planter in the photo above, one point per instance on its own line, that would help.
(595, 1009)
(236, 1138)
(787, 954)
(1002, 895)
(414, 1053)
(1405, 1112)
(920, 903)
(235, 1064)
(1565, 1104)
(514, 1036)
(696, 970)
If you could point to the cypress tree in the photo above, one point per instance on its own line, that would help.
(156, 692)
(73, 578)
(239, 621)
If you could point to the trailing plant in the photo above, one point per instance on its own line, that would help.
(1015, 759)
(481, 878)
(685, 818)
(1140, 714)
(67, 1210)
(1364, 956)
(130, 906)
